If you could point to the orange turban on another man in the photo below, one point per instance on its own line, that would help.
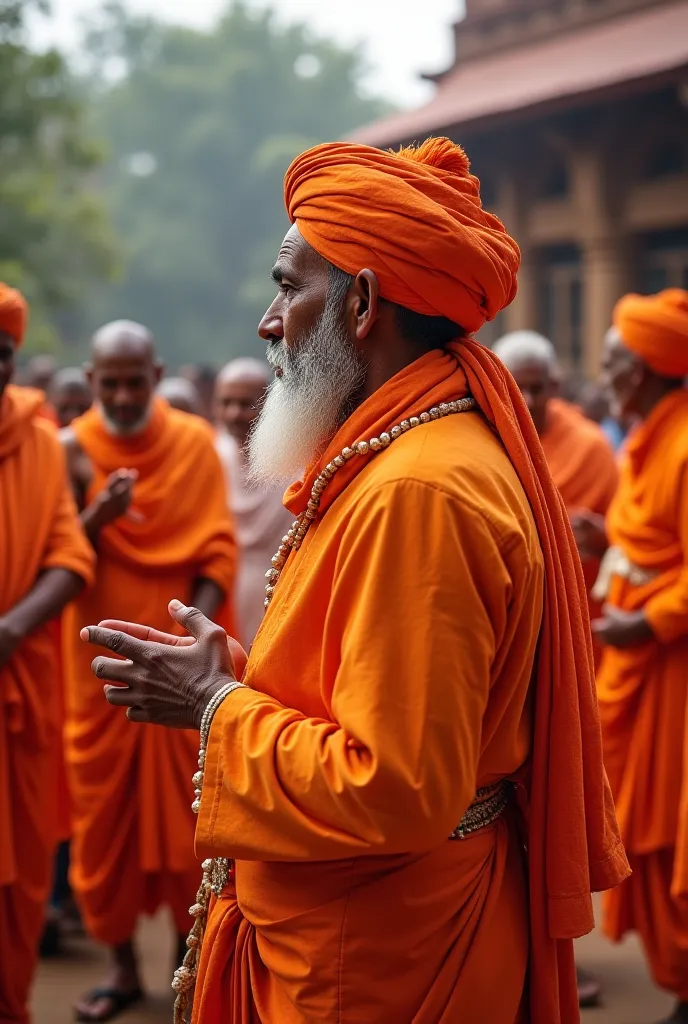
(414, 218)
(655, 327)
(14, 313)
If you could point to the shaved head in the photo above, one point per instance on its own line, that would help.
(181, 394)
(239, 392)
(124, 374)
(70, 395)
(39, 372)
(245, 370)
(532, 361)
(123, 338)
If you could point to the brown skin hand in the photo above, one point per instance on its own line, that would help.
(52, 590)
(171, 685)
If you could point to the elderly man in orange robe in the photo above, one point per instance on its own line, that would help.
(419, 701)
(643, 680)
(45, 560)
(257, 510)
(153, 497)
(579, 455)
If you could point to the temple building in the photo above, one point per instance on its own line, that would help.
(575, 115)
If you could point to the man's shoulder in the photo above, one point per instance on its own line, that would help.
(194, 429)
(462, 457)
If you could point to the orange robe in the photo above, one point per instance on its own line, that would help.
(389, 680)
(643, 695)
(583, 466)
(40, 531)
(132, 821)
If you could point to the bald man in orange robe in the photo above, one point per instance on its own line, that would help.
(643, 680)
(45, 560)
(579, 455)
(419, 699)
(153, 496)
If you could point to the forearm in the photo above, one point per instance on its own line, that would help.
(207, 596)
(92, 522)
(52, 591)
(282, 786)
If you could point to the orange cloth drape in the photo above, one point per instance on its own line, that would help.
(40, 531)
(368, 784)
(583, 467)
(643, 695)
(132, 821)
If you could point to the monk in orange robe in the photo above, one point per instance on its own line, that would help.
(643, 680)
(579, 455)
(152, 491)
(45, 560)
(419, 700)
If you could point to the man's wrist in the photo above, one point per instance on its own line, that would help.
(212, 698)
(11, 631)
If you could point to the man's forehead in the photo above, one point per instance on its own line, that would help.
(297, 254)
(7, 339)
(125, 362)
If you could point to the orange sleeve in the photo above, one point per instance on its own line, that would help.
(409, 695)
(67, 546)
(667, 612)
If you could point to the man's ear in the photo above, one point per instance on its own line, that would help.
(364, 303)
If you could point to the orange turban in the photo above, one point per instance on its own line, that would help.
(655, 327)
(414, 218)
(13, 312)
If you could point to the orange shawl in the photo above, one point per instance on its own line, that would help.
(174, 454)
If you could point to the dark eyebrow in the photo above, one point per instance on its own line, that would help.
(277, 273)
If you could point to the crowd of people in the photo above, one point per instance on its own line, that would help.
(464, 705)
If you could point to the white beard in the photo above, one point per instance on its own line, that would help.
(116, 430)
(304, 408)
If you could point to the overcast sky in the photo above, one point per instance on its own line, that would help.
(400, 37)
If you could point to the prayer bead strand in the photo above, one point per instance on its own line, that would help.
(294, 537)
(215, 873)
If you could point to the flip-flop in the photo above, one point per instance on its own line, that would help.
(121, 1001)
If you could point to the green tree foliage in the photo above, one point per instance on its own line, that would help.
(53, 239)
(201, 127)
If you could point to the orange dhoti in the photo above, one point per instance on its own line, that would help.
(424, 931)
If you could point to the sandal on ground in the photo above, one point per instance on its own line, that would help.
(120, 1001)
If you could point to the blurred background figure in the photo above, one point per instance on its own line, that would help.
(260, 518)
(181, 394)
(39, 372)
(594, 403)
(69, 395)
(203, 379)
(578, 454)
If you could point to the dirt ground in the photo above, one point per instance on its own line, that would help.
(629, 996)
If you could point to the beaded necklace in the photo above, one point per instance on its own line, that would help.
(294, 537)
(216, 871)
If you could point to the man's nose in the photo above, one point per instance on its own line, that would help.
(271, 327)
